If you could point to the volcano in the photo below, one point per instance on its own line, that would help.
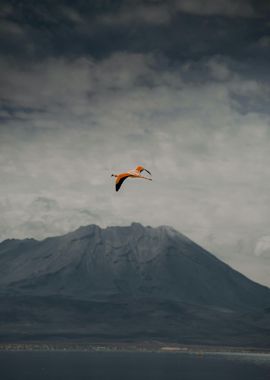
(127, 283)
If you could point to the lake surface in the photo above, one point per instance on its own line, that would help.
(58, 365)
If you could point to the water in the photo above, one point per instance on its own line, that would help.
(60, 365)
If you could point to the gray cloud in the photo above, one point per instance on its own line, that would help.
(155, 14)
(179, 29)
(71, 14)
(264, 42)
(229, 8)
(11, 29)
(262, 247)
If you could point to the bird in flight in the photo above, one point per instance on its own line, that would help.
(135, 173)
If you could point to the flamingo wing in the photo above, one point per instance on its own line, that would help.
(120, 179)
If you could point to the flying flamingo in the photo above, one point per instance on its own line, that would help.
(135, 173)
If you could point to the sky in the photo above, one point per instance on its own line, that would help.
(91, 88)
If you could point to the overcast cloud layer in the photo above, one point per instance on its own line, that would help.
(181, 87)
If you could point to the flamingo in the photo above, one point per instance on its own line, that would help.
(135, 173)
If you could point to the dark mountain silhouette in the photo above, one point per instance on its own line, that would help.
(131, 282)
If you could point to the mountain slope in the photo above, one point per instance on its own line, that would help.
(134, 261)
(127, 283)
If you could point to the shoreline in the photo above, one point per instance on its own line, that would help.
(129, 347)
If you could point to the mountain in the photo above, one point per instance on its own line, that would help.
(130, 282)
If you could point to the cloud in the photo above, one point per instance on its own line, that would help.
(219, 69)
(6, 9)
(231, 8)
(176, 29)
(262, 247)
(10, 29)
(140, 13)
(264, 42)
(141, 86)
(41, 216)
(71, 14)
